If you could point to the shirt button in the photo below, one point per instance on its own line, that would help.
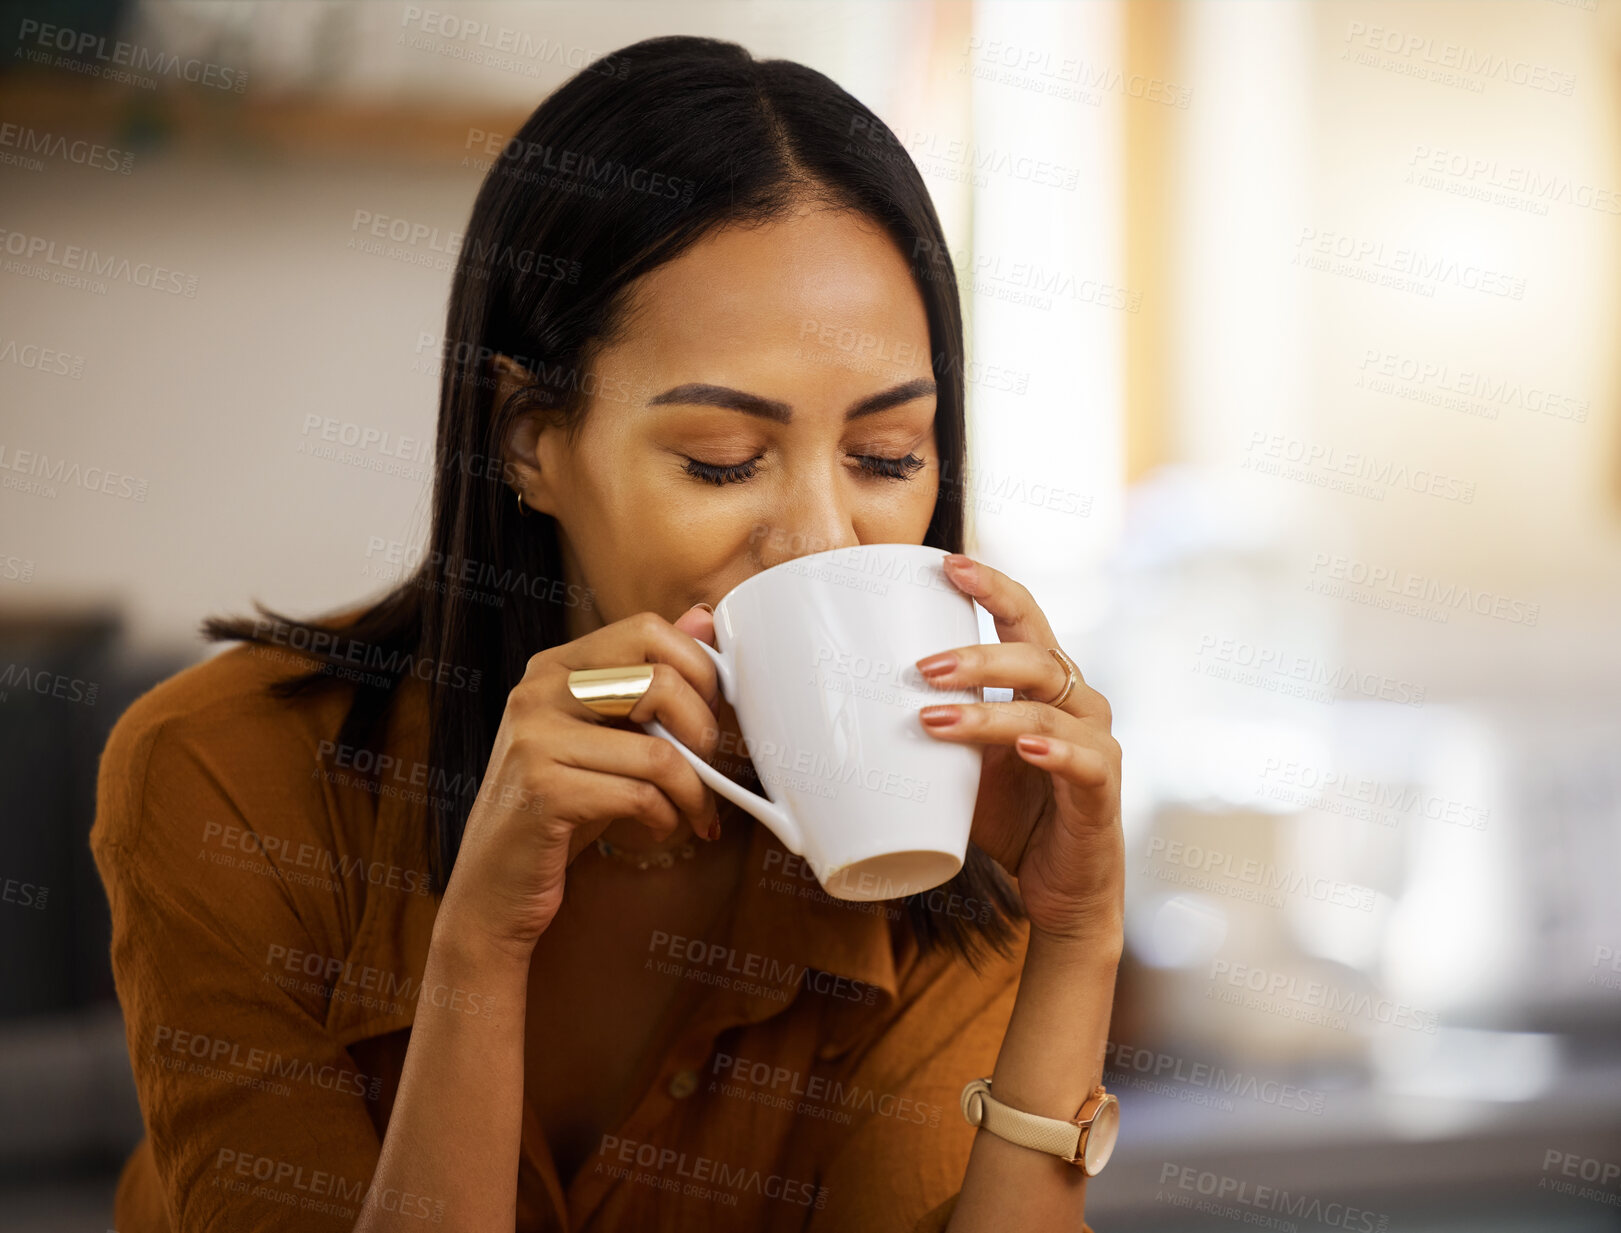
(683, 1083)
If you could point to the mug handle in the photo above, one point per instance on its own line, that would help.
(772, 814)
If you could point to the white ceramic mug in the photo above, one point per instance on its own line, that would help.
(817, 657)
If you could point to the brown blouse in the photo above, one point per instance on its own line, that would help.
(271, 917)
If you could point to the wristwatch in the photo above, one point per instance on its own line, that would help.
(1086, 1140)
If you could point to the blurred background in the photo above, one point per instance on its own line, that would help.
(1294, 399)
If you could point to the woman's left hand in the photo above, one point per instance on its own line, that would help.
(1049, 796)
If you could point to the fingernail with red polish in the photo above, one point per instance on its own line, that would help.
(937, 665)
(939, 716)
(963, 569)
(1033, 745)
(714, 829)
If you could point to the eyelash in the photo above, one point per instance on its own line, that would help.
(882, 468)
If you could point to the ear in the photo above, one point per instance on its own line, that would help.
(530, 451)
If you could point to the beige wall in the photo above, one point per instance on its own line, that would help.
(208, 398)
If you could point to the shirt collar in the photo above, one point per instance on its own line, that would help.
(780, 913)
(784, 914)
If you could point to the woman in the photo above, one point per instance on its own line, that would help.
(407, 935)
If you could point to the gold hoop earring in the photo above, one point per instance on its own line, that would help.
(522, 511)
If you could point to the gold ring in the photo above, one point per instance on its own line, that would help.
(611, 691)
(1073, 673)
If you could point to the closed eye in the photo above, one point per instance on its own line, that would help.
(720, 474)
(890, 468)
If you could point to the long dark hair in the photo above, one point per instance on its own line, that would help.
(622, 168)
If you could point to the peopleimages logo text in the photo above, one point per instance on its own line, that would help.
(1221, 1188)
(1317, 993)
(87, 45)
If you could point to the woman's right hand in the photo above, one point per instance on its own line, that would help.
(559, 773)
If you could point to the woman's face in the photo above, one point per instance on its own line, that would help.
(772, 397)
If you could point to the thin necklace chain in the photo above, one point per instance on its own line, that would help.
(664, 859)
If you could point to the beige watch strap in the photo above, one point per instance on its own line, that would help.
(1044, 1134)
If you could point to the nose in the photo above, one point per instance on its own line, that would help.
(817, 520)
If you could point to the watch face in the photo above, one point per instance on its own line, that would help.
(1100, 1139)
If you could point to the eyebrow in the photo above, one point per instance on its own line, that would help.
(700, 394)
